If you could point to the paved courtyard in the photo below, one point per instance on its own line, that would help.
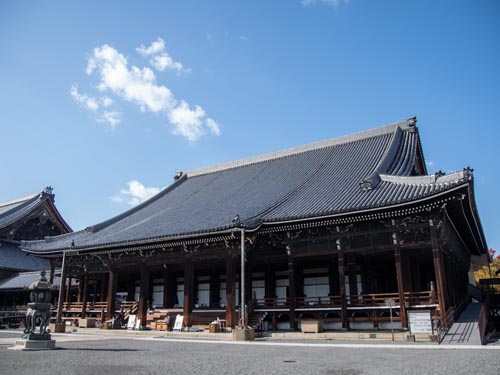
(150, 354)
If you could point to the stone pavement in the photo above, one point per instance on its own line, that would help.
(147, 353)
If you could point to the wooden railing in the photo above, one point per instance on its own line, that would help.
(483, 319)
(363, 300)
(128, 308)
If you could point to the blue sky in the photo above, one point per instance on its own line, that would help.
(104, 101)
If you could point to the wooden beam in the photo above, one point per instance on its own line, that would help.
(188, 293)
(111, 297)
(343, 299)
(399, 276)
(230, 289)
(143, 295)
(291, 290)
(439, 272)
(85, 295)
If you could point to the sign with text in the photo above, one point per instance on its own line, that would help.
(420, 321)
(178, 322)
(131, 321)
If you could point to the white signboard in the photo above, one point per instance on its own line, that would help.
(131, 321)
(178, 322)
(420, 321)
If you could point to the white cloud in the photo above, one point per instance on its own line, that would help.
(112, 118)
(134, 85)
(139, 86)
(94, 105)
(429, 163)
(135, 193)
(106, 101)
(84, 100)
(213, 126)
(164, 61)
(191, 123)
(332, 3)
(155, 47)
(161, 60)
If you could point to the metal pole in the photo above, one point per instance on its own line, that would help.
(61, 284)
(242, 280)
(392, 325)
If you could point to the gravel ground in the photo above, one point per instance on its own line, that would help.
(126, 355)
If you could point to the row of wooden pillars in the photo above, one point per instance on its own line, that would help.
(110, 282)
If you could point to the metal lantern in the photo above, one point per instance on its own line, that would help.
(38, 313)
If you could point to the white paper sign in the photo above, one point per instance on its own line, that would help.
(420, 321)
(178, 322)
(131, 321)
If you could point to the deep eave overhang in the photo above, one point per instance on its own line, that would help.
(423, 204)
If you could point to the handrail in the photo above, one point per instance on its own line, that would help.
(484, 316)
(362, 300)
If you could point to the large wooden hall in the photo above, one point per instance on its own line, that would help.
(329, 231)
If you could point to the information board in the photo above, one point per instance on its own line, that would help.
(178, 322)
(420, 321)
(131, 321)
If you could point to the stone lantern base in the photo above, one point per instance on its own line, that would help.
(34, 345)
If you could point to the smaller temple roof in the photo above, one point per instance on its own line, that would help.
(24, 280)
(13, 258)
(18, 209)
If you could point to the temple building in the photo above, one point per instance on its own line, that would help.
(330, 230)
(31, 217)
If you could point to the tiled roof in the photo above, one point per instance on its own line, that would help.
(340, 175)
(13, 258)
(24, 280)
(15, 209)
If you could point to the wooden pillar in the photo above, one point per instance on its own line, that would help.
(291, 290)
(439, 271)
(188, 292)
(230, 289)
(68, 290)
(143, 295)
(399, 276)
(343, 299)
(85, 295)
(111, 295)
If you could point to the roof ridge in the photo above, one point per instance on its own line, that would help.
(462, 175)
(19, 199)
(348, 138)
